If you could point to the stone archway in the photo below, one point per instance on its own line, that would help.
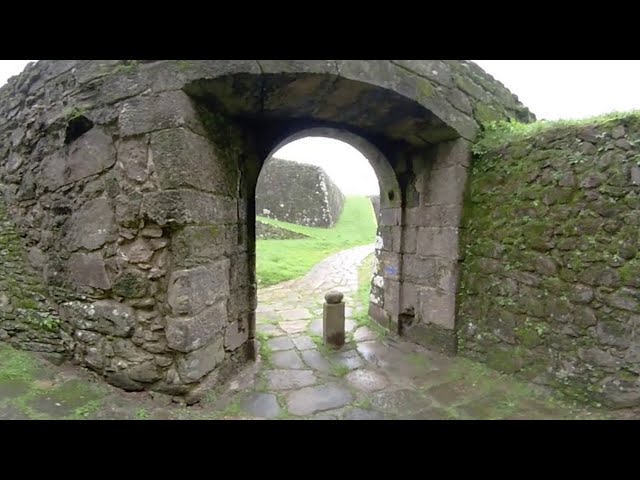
(133, 184)
(390, 200)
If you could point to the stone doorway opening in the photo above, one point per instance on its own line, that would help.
(317, 214)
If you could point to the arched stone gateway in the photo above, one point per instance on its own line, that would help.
(132, 185)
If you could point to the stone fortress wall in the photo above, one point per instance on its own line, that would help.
(550, 284)
(128, 193)
(298, 193)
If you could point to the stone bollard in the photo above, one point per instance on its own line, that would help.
(333, 319)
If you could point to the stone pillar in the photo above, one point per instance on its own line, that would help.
(431, 251)
(333, 319)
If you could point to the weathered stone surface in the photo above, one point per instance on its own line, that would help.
(157, 112)
(92, 226)
(360, 414)
(236, 335)
(197, 245)
(131, 284)
(134, 159)
(192, 290)
(138, 251)
(146, 372)
(289, 379)
(90, 154)
(280, 343)
(333, 297)
(183, 207)
(564, 243)
(303, 342)
(287, 359)
(88, 269)
(183, 159)
(309, 400)
(367, 380)
(186, 334)
(196, 364)
(298, 326)
(264, 405)
(104, 316)
(298, 193)
(155, 148)
(315, 360)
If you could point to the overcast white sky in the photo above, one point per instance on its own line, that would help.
(552, 89)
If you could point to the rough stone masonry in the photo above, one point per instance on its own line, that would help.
(128, 200)
(298, 193)
(550, 287)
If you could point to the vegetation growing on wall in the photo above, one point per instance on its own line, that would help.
(550, 284)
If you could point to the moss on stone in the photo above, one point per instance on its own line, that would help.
(506, 361)
(425, 88)
(534, 226)
(485, 114)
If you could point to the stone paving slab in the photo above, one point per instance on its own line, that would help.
(289, 379)
(310, 400)
(288, 359)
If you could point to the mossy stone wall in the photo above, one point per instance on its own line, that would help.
(550, 283)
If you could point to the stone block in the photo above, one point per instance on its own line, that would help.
(192, 290)
(390, 264)
(92, 226)
(420, 270)
(183, 159)
(134, 159)
(90, 154)
(195, 365)
(438, 241)
(236, 334)
(434, 216)
(446, 186)
(391, 216)
(196, 245)
(410, 239)
(186, 334)
(453, 153)
(437, 307)
(164, 110)
(433, 337)
(298, 193)
(88, 269)
(103, 316)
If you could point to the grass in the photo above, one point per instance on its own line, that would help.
(497, 134)
(365, 273)
(16, 365)
(282, 260)
(142, 414)
(361, 314)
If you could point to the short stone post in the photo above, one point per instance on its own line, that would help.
(333, 319)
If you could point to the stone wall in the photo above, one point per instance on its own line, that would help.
(130, 221)
(27, 318)
(298, 193)
(375, 203)
(264, 231)
(130, 185)
(550, 285)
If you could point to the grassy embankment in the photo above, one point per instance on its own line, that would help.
(281, 260)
